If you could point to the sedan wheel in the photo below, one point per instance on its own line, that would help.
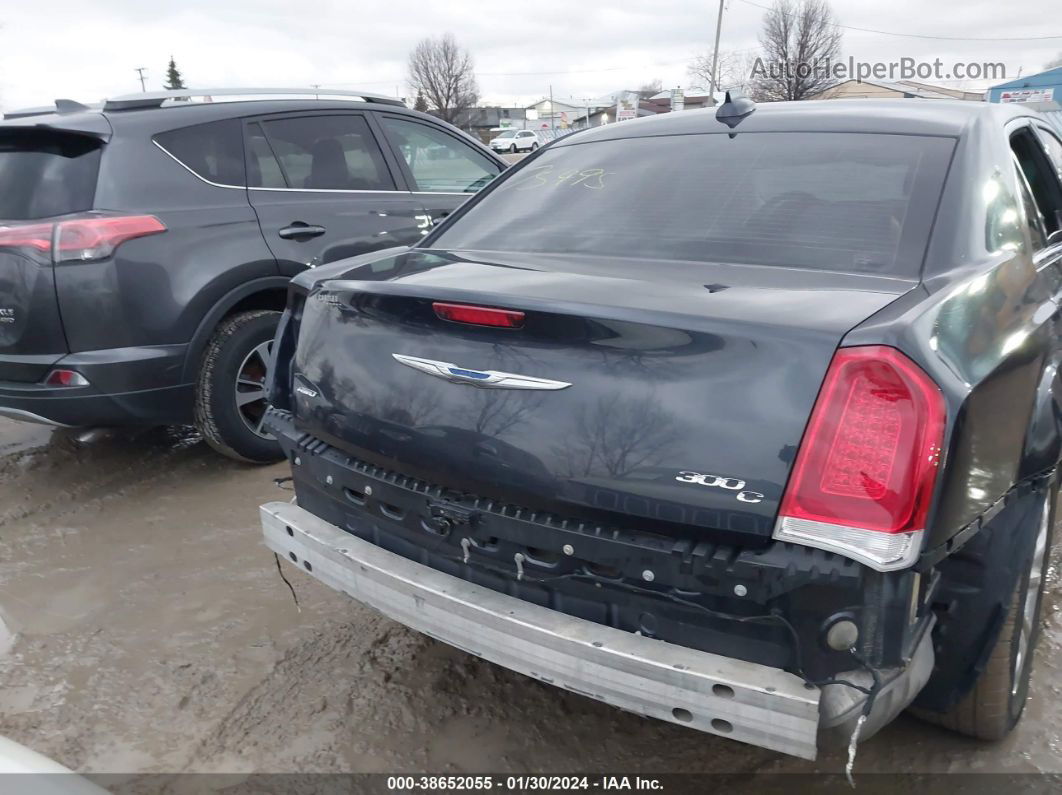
(992, 708)
(1027, 619)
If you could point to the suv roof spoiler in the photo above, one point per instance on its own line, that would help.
(157, 99)
(61, 107)
(65, 116)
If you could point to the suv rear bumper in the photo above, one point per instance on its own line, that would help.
(744, 701)
(127, 386)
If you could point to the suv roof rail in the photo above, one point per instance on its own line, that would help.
(157, 99)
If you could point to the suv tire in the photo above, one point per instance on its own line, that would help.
(995, 704)
(233, 363)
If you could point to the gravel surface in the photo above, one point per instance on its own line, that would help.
(144, 629)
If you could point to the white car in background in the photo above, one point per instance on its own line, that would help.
(515, 141)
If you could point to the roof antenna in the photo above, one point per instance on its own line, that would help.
(733, 111)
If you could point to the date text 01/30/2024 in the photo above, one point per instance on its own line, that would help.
(521, 783)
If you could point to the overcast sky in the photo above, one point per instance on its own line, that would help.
(88, 49)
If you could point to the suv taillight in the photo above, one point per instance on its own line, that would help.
(97, 238)
(80, 239)
(863, 479)
(37, 237)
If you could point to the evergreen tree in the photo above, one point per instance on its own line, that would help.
(421, 104)
(173, 76)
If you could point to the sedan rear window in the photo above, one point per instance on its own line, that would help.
(829, 201)
(45, 174)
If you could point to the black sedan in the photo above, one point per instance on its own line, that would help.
(775, 385)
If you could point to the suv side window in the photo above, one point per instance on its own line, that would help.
(324, 153)
(439, 162)
(263, 170)
(1042, 180)
(212, 151)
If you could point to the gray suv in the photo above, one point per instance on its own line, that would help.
(146, 244)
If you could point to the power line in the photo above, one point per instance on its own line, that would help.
(922, 35)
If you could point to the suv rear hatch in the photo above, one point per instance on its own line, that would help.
(44, 175)
(684, 404)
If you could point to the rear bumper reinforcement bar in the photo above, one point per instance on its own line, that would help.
(744, 701)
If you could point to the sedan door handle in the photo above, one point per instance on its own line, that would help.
(299, 230)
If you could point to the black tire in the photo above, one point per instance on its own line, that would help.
(534, 146)
(995, 704)
(226, 426)
(512, 149)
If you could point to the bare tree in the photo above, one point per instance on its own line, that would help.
(650, 89)
(1056, 61)
(735, 69)
(800, 42)
(442, 72)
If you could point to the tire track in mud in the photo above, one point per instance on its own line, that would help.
(60, 477)
(373, 696)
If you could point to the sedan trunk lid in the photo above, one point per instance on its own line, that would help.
(668, 404)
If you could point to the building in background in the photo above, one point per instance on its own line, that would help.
(557, 114)
(955, 93)
(1041, 87)
(904, 89)
(484, 123)
(693, 98)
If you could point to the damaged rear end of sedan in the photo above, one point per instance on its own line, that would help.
(746, 423)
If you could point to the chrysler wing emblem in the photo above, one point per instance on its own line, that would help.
(485, 379)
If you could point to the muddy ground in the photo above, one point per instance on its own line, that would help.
(144, 629)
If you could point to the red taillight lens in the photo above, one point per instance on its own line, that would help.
(97, 238)
(65, 378)
(863, 479)
(81, 239)
(479, 315)
(35, 236)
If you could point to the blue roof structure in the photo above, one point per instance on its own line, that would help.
(1041, 87)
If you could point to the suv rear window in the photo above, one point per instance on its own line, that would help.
(829, 201)
(44, 174)
(212, 151)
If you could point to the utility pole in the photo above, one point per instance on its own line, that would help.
(715, 53)
(140, 73)
(552, 113)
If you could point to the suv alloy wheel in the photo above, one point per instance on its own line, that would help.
(230, 392)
